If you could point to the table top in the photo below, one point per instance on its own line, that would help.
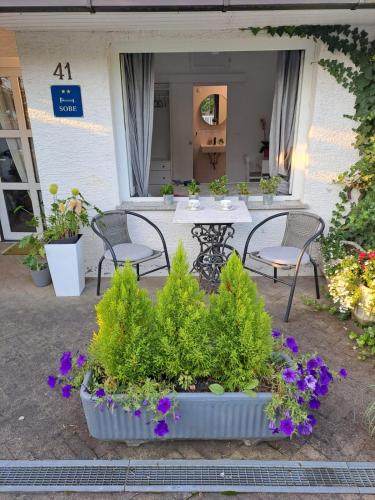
(210, 212)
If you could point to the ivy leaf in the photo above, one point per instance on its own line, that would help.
(249, 390)
(216, 389)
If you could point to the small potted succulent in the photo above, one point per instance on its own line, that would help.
(243, 191)
(167, 192)
(192, 367)
(35, 259)
(351, 284)
(218, 188)
(269, 188)
(193, 190)
(63, 241)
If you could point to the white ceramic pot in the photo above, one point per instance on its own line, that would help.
(359, 312)
(267, 199)
(65, 262)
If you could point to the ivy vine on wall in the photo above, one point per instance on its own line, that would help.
(354, 216)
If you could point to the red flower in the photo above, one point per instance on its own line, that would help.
(362, 255)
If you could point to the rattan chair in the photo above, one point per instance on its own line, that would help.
(302, 228)
(112, 228)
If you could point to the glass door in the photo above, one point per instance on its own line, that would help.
(19, 182)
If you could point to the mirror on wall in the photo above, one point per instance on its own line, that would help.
(213, 109)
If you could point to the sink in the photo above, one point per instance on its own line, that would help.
(213, 148)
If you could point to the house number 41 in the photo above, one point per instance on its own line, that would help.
(59, 71)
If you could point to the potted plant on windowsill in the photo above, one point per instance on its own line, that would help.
(243, 191)
(190, 368)
(218, 188)
(193, 190)
(35, 259)
(63, 241)
(269, 188)
(167, 192)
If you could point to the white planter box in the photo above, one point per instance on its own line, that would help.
(65, 262)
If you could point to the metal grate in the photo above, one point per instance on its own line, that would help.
(188, 475)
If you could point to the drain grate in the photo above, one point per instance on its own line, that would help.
(187, 475)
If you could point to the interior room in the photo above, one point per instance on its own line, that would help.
(212, 115)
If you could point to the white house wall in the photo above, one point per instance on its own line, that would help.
(81, 152)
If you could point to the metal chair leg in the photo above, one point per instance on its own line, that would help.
(316, 279)
(99, 276)
(137, 269)
(292, 289)
(274, 274)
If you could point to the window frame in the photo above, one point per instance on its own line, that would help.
(236, 43)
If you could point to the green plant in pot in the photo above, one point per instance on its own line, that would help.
(167, 192)
(193, 189)
(219, 188)
(243, 191)
(269, 188)
(63, 242)
(35, 259)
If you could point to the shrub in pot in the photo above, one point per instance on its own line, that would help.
(191, 368)
(35, 259)
(269, 188)
(193, 190)
(351, 284)
(167, 192)
(219, 188)
(64, 242)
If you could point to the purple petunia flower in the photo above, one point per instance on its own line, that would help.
(312, 364)
(301, 385)
(343, 373)
(145, 402)
(289, 375)
(300, 400)
(161, 428)
(272, 427)
(100, 393)
(81, 360)
(137, 413)
(66, 391)
(275, 334)
(176, 417)
(321, 390)
(109, 401)
(319, 360)
(311, 419)
(314, 404)
(287, 426)
(164, 405)
(65, 363)
(310, 382)
(305, 428)
(51, 381)
(291, 344)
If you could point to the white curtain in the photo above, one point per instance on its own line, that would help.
(283, 121)
(8, 121)
(138, 95)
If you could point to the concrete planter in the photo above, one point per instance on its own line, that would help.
(65, 262)
(204, 416)
(359, 312)
(41, 278)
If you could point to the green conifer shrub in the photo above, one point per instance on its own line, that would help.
(185, 347)
(241, 330)
(125, 343)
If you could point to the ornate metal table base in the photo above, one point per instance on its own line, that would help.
(214, 250)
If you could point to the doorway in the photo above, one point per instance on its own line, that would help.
(209, 131)
(19, 181)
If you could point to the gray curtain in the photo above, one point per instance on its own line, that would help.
(283, 119)
(138, 89)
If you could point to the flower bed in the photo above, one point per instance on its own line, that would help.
(191, 368)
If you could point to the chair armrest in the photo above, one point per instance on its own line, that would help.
(107, 243)
(135, 214)
(281, 214)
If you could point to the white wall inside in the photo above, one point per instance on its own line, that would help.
(250, 77)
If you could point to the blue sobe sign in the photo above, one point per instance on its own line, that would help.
(67, 100)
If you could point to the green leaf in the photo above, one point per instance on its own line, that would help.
(252, 384)
(216, 389)
(250, 392)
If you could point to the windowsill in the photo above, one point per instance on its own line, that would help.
(153, 205)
